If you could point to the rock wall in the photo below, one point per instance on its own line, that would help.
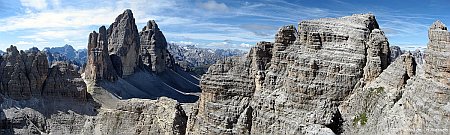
(438, 53)
(153, 49)
(295, 84)
(123, 43)
(227, 89)
(405, 99)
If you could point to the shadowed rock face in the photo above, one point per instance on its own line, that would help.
(23, 74)
(292, 86)
(26, 74)
(154, 51)
(64, 80)
(123, 41)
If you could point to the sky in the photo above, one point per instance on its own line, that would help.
(236, 24)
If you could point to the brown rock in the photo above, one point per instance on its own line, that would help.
(99, 65)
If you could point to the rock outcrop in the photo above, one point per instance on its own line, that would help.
(64, 81)
(99, 65)
(405, 99)
(153, 50)
(292, 86)
(438, 53)
(23, 73)
(123, 44)
(134, 116)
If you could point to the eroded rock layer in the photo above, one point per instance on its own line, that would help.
(438, 53)
(294, 85)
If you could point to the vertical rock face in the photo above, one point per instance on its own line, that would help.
(294, 85)
(123, 42)
(99, 65)
(154, 48)
(64, 81)
(227, 89)
(23, 73)
(378, 53)
(438, 53)
(404, 99)
(396, 52)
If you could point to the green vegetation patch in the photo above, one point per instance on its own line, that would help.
(361, 118)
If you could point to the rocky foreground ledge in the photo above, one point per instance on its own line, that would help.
(327, 76)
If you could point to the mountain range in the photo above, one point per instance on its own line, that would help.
(322, 77)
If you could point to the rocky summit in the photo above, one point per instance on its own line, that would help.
(322, 77)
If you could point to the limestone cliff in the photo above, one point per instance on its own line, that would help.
(438, 53)
(99, 65)
(405, 98)
(123, 44)
(153, 50)
(294, 85)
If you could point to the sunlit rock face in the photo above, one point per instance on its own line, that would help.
(99, 65)
(402, 99)
(437, 63)
(294, 85)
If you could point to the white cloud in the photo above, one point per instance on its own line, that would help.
(36, 4)
(245, 45)
(212, 5)
(24, 43)
(67, 41)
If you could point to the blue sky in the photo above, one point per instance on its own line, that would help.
(207, 23)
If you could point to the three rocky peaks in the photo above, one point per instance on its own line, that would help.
(120, 50)
(329, 76)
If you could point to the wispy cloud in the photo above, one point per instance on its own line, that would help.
(205, 22)
(24, 43)
(212, 5)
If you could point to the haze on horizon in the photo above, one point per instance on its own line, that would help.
(206, 23)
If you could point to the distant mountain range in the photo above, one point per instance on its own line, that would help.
(197, 60)
(66, 53)
(189, 57)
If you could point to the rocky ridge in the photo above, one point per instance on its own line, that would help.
(330, 76)
(66, 53)
(197, 60)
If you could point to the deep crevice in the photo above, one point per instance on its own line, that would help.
(336, 124)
